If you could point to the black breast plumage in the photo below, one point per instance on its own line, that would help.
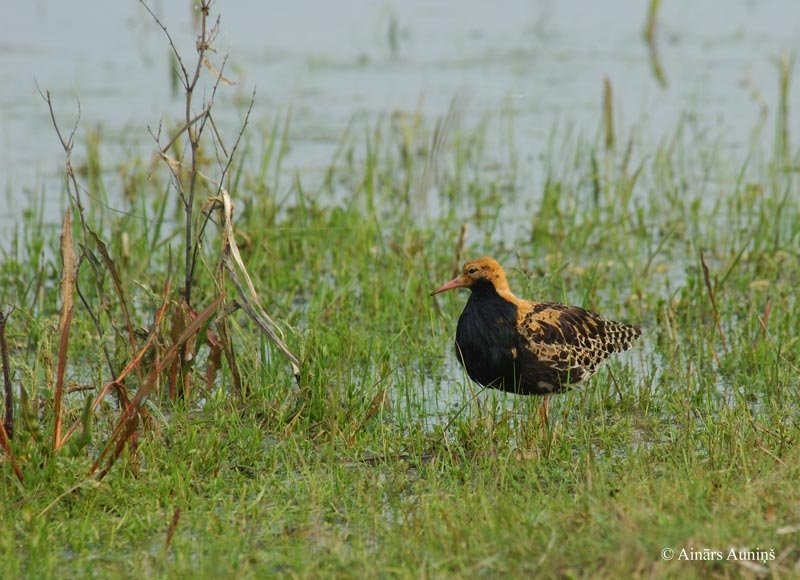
(495, 354)
(486, 338)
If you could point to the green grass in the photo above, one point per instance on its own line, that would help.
(688, 442)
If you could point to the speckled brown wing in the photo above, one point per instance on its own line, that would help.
(571, 341)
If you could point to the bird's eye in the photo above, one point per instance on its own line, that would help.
(472, 271)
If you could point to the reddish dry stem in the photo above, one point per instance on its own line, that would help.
(64, 323)
(6, 445)
(117, 383)
(8, 421)
(123, 432)
(173, 525)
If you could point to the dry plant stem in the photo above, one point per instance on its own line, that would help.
(250, 302)
(65, 321)
(230, 356)
(249, 299)
(75, 193)
(186, 126)
(763, 321)
(128, 421)
(117, 383)
(8, 420)
(6, 445)
(173, 525)
(712, 298)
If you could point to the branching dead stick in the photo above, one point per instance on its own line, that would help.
(67, 144)
(199, 234)
(184, 73)
(224, 172)
(8, 421)
(203, 44)
(185, 127)
(216, 132)
(217, 82)
(237, 142)
(249, 301)
(193, 132)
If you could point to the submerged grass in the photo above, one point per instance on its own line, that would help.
(386, 460)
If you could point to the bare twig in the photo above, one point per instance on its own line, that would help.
(216, 132)
(225, 170)
(193, 126)
(183, 128)
(67, 144)
(184, 73)
(217, 82)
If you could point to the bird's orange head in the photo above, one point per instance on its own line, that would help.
(476, 270)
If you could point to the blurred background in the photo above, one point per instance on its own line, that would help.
(529, 65)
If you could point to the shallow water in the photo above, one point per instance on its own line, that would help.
(539, 63)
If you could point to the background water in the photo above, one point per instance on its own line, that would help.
(538, 62)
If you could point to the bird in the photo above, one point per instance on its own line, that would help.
(527, 347)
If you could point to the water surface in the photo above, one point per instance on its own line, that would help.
(539, 63)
